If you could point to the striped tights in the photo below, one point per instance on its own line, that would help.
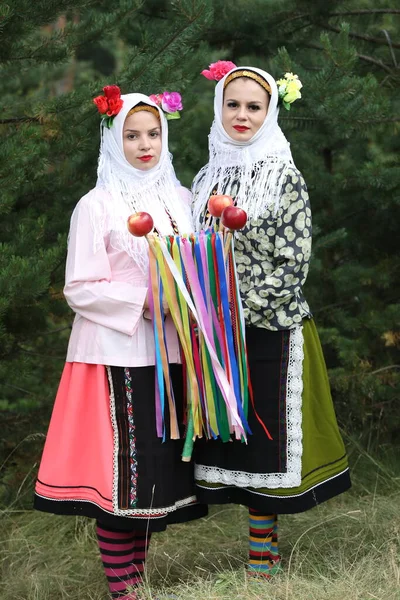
(263, 544)
(123, 554)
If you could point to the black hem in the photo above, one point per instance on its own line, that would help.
(269, 505)
(88, 509)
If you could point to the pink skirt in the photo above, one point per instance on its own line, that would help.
(77, 473)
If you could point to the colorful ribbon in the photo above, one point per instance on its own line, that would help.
(199, 283)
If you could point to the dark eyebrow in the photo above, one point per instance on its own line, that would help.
(149, 131)
(249, 102)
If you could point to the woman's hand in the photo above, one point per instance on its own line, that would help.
(147, 314)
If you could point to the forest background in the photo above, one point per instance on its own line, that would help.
(55, 56)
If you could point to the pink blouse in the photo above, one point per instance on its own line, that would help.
(107, 289)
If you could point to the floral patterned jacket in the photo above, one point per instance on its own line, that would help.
(272, 258)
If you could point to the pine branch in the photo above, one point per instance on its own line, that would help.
(41, 355)
(64, 328)
(20, 120)
(334, 305)
(348, 13)
(389, 41)
(364, 57)
(388, 368)
(359, 36)
(374, 11)
(151, 15)
(304, 119)
(390, 120)
(374, 61)
(361, 121)
(296, 29)
(290, 19)
(169, 42)
(97, 35)
(19, 389)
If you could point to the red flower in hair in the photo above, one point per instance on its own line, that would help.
(112, 91)
(101, 103)
(114, 106)
(110, 104)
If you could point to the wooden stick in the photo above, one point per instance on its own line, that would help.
(227, 245)
(208, 222)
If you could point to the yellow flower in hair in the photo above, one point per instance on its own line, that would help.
(289, 89)
(291, 76)
(290, 97)
(293, 85)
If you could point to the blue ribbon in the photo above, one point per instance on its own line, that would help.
(228, 328)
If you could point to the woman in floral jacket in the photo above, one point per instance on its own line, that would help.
(305, 462)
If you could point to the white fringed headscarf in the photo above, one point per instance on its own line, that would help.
(257, 166)
(131, 190)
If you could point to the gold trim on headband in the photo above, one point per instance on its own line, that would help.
(145, 107)
(250, 75)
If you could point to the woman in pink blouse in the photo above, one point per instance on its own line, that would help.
(102, 456)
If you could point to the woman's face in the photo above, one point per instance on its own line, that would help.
(142, 140)
(245, 108)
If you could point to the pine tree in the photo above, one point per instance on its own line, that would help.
(55, 57)
(342, 137)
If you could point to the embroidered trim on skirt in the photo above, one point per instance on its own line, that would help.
(305, 463)
(102, 456)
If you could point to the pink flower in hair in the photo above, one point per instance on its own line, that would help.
(156, 98)
(218, 70)
(171, 102)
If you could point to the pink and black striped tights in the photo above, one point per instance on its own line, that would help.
(123, 554)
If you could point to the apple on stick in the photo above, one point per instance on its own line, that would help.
(140, 224)
(217, 204)
(233, 218)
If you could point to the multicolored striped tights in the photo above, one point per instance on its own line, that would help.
(123, 554)
(263, 541)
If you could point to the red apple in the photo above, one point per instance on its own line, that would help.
(234, 218)
(216, 204)
(140, 224)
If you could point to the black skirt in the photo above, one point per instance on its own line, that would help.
(305, 463)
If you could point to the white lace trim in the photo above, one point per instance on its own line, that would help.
(115, 440)
(284, 497)
(294, 449)
(141, 513)
(133, 511)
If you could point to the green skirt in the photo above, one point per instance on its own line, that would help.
(305, 463)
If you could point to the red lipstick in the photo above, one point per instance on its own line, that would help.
(145, 158)
(241, 128)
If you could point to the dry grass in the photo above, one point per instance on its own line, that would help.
(345, 550)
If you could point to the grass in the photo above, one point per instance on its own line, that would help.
(345, 549)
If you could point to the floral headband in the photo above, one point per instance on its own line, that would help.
(288, 87)
(111, 103)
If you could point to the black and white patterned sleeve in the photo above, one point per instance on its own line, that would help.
(275, 261)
